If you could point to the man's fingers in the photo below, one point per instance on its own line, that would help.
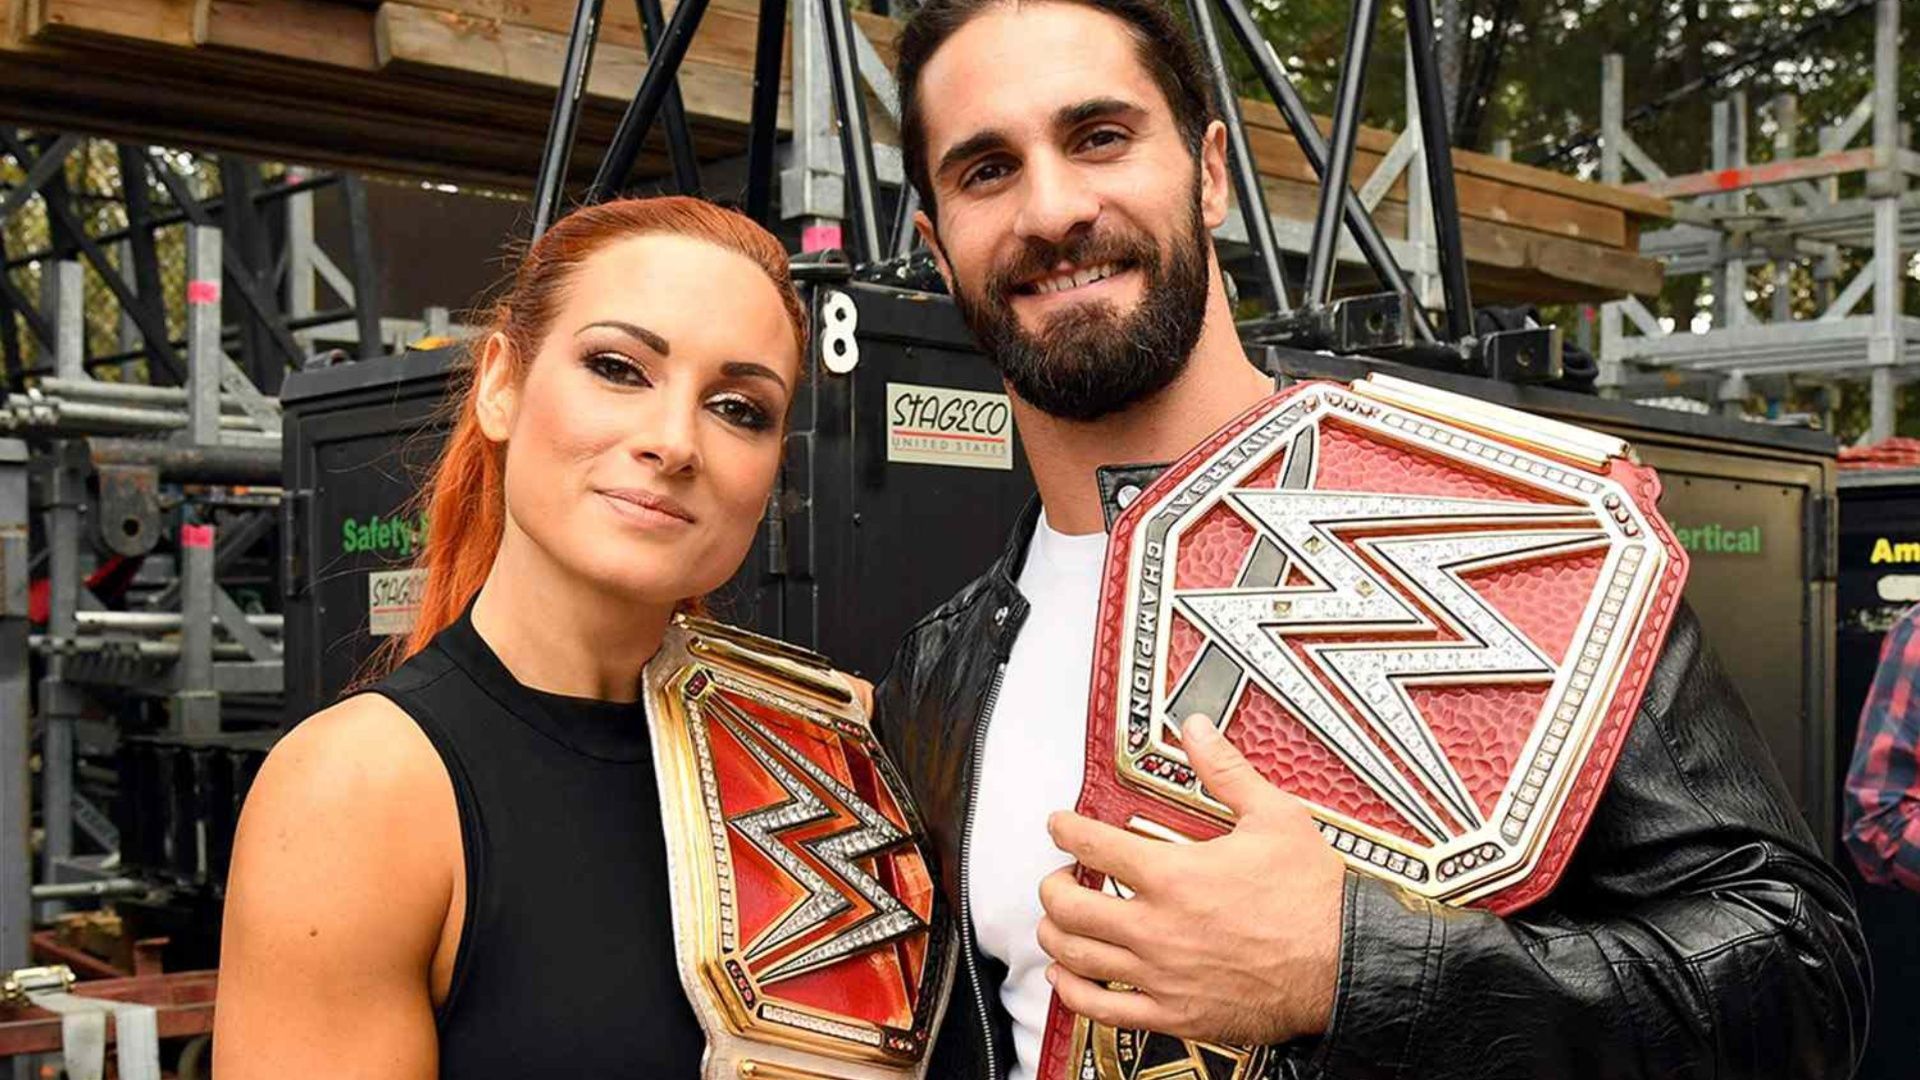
(1115, 1008)
(1099, 846)
(1223, 770)
(1086, 957)
(1086, 912)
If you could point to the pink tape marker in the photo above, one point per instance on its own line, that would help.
(819, 237)
(196, 536)
(203, 292)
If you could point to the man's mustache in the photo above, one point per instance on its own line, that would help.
(1037, 258)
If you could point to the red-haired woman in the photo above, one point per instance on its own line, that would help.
(463, 874)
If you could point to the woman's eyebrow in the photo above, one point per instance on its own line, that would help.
(747, 369)
(639, 333)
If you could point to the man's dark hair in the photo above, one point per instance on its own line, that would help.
(1163, 43)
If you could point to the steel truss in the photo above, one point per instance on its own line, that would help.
(834, 176)
(1785, 212)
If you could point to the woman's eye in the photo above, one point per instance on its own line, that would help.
(742, 412)
(617, 369)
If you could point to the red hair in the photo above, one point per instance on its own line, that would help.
(465, 501)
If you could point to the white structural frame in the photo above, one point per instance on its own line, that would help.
(1780, 212)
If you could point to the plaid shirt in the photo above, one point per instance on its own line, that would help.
(1883, 784)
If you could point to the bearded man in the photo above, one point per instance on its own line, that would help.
(1070, 169)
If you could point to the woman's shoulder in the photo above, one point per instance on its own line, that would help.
(345, 874)
(363, 762)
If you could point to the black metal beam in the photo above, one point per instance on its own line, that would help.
(686, 165)
(175, 217)
(1437, 147)
(233, 264)
(856, 142)
(240, 225)
(367, 302)
(13, 300)
(140, 245)
(1346, 135)
(152, 330)
(139, 240)
(1248, 192)
(769, 49)
(44, 170)
(10, 353)
(551, 185)
(904, 234)
(663, 65)
(1373, 246)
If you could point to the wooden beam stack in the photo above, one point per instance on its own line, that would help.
(460, 91)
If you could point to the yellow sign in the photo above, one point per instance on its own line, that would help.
(1886, 551)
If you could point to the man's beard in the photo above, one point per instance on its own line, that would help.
(1090, 361)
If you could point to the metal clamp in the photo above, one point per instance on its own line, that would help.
(22, 982)
(83, 1024)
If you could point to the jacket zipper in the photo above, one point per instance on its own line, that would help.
(966, 863)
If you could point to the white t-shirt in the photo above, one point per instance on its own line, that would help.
(1032, 765)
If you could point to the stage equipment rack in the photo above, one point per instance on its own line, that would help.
(1782, 213)
(138, 513)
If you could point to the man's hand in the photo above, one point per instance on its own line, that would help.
(1233, 940)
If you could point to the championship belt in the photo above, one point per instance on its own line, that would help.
(811, 939)
(1429, 618)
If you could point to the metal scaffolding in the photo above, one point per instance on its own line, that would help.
(1783, 213)
(144, 494)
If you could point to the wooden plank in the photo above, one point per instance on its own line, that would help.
(425, 42)
(1279, 157)
(1633, 203)
(428, 41)
(13, 23)
(1510, 263)
(726, 30)
(476, 90)
(1375, 141)
(324, 33)
(162, 22)
(521, 42)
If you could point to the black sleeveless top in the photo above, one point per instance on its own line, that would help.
(566, 964)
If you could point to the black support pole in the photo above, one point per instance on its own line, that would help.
(551, 185)
(139, 239)
(856, 144)
(1346, 133)
(10, 353)
(263, 307)
(1437, 148)
(686, 166)
(1373, 246)
(367, 302)
(13, 300)
(240, 225)
(43, 171)
(768, 51)
(1246, 177)
(904, 234)
(663, 65)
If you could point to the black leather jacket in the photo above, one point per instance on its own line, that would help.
(1696, 933)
